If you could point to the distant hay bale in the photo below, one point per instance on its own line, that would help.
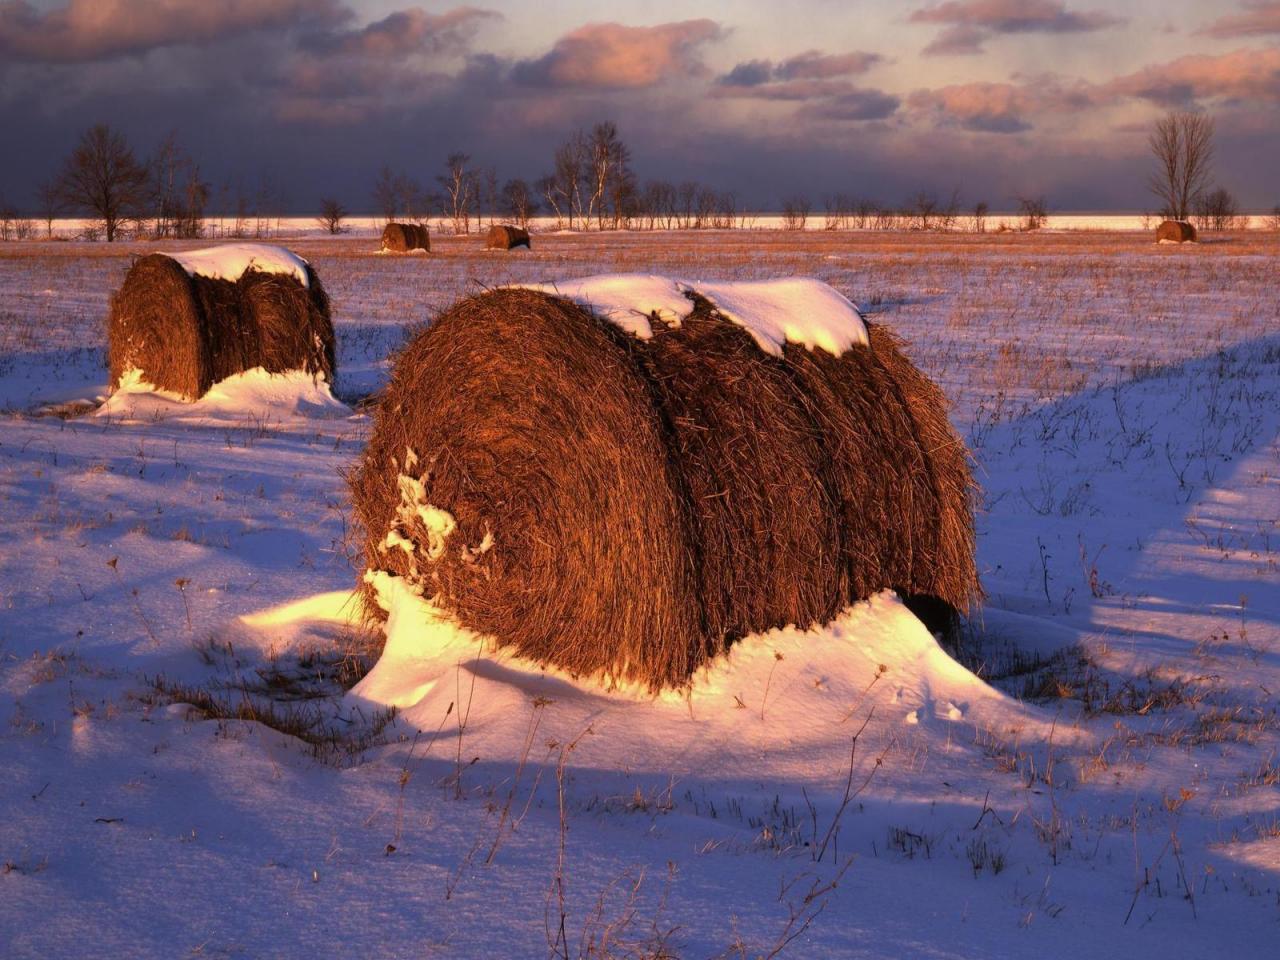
(403, 237)
(186, 332)
(1175, 231)
(506, 237)
(633, 506)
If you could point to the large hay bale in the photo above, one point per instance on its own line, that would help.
(506, 237)
(185, 331)
(1175, 231)
(403, 237)
(525, 418)
(608, 503)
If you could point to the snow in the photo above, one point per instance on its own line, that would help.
(775, 312)
(252, 393)
(228, 261)
(1129, 543)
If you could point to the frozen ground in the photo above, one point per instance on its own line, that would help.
(1099, 774)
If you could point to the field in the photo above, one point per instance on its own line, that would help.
(1097, 768)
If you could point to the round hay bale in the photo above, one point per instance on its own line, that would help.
(526, 420)
(403, 237)
(633, 506)
(292, 322)
(187, 332)
(1175, 231)
(506, 237)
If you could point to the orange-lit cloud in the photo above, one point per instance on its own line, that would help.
(614, 56)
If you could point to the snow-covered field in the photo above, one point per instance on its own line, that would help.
(1097, 776)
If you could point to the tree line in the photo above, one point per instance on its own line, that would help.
(591, 184)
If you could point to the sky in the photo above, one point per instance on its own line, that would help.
(994, 98)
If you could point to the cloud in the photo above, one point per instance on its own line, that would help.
(407, 32)
(816, 65)
(1016, 16)
(810, 65)
(1002, 107)
(1261, 17)
(611, 56)
(970, 22)
(89, 30)
(856, 105)
(1239, 75)
(960, 40)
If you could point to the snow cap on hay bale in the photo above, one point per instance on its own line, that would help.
(1175, 231)
(505, 237)
(403, 237)
(630, 497)
(192, 319)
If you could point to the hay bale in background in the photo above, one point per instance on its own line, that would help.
(506, 237)
(636, 505)
(403, 237)
(525, 418)
(1175, 231)
(186, 332)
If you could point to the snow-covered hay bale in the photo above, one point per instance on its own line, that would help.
(629, 488)
(519, 473)
(1175, 231)
(506, 237)
(404, 237)
(187, 321)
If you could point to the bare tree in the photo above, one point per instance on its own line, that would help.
(980, 211)
(178, 193)
(795, 211)
(103, 177)
(518, 201)
(607, 174)
(922, 206)
(460, 190)
(386, 195)
(1182, 145)
(1034, 210)
(332, 213)
(1217, 210)
(50, 203)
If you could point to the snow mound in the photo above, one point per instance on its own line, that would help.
(782, 703)
(252, 393)
(229, 260)
(775, 312)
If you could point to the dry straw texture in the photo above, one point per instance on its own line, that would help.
(403, 237)
(185, 333)
(1178, 231)
(503, 237)
(635, 506)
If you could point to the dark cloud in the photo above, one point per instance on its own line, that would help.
(856, 105)
(88, 30)
(611, 56)
(810, 65)
(1260, 18)
(970, 22)
(406, 32)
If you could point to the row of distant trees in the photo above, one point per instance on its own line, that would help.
(591, 184)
